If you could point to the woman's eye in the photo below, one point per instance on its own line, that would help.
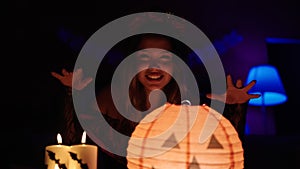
(143, 57)
(166, 58)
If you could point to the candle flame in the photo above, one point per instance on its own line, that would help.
(83, 139)
(56, 166)
(59, 139)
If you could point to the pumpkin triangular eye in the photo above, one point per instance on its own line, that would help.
(194, 164)
(171, 142)
(214, 143)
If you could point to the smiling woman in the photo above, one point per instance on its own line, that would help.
(154, 77)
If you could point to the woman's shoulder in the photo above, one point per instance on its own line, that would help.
(105, 103)
(104, 94)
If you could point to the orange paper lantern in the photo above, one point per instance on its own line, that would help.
(185, 137)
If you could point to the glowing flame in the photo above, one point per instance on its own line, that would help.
(59, 139)
(56, 166)
(83, 139)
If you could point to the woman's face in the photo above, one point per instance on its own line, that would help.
(154, 61)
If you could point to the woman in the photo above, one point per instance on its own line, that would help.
(156, 67)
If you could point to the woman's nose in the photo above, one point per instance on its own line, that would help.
(154, 64)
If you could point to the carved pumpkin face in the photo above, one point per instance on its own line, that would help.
(170, 137)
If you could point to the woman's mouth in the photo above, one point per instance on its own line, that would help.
(154, 76)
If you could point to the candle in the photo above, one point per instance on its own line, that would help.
(83, 155)
(56, 155)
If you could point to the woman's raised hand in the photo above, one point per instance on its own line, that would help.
(72, 79)
(235, 94)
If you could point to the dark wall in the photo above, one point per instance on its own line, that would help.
(285, 56)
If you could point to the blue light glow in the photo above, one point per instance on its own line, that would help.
(268, 85)
(282, 41)
(270, 99)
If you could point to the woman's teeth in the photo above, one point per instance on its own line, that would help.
(154, 77)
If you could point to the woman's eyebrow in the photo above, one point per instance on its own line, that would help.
(161, 51)
(166, 52)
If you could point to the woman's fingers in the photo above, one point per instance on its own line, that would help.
(66, 78)
(253, 96)
(229, 81)
(239, 83)
(250, 85)
(65, 72)
(56, 75)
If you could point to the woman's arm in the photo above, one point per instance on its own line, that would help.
(72, 129)
(90, 116)
(236, 114)
(236, 101)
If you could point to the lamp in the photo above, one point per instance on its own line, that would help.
(169, 137)
(268, 85)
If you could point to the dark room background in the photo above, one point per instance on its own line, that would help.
(48, 36)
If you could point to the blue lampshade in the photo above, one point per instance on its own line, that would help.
(268, 84)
